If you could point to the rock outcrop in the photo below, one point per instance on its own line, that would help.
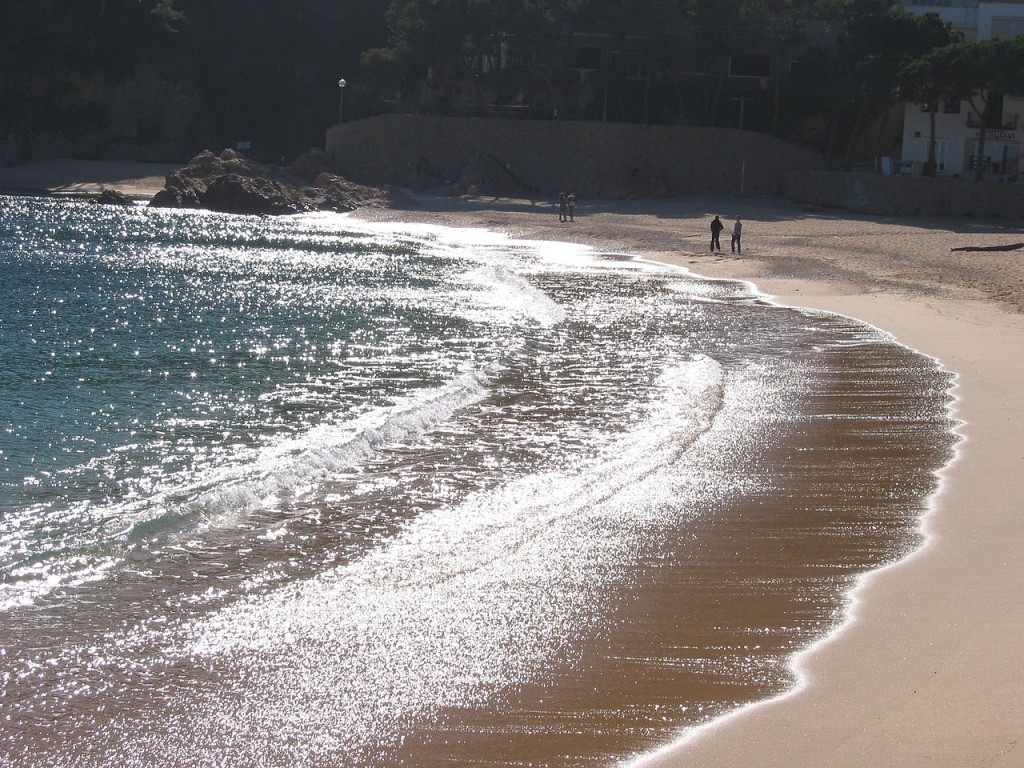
(113, 197)
(232, 183)
(486, 175)
(234, 193)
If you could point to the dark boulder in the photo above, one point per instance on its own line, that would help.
(113, 197)
(178, 193)
(486, 175)
(422, 175)
(249, 195)
(231, 183)
(335, 193)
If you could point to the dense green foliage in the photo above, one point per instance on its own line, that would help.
(161, 79)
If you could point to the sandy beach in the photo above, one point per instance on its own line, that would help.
(926, 669)
(139, 181)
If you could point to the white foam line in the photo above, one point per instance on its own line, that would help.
(797, 663)
(510, 289)
(853, 599)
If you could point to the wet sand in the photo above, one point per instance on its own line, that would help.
(926, 669)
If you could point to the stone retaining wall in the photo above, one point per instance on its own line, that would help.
(906, 195)
(620, 160)
(595, 160)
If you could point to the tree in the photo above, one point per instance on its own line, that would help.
(445, 42)
(267, 70)
(716, 35)
(80, 76)
(981, 73)
(929, 80)
(781, 28)
(857, 75)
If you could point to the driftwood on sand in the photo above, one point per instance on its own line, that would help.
(1010, 247)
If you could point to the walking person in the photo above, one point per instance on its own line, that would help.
(716, 229)
(563, 204)
(737, 231)
(572, 206)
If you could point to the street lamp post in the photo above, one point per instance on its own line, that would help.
(341, 101)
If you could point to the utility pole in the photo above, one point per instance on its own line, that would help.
(743, 157)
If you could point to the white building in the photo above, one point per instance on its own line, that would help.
(956, 126)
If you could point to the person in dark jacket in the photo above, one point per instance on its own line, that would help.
(716, 229)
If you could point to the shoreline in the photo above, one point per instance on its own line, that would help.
(923, 670)
(926, 668)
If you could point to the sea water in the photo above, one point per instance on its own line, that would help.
(309, 491)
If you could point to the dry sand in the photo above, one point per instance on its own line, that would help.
(85, 177)
(928, 668)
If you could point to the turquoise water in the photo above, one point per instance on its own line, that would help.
(160, 367)
(311, 491)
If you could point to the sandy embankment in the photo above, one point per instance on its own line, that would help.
(928, 668)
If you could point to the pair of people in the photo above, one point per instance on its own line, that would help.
(567, 207)
(716, 229)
